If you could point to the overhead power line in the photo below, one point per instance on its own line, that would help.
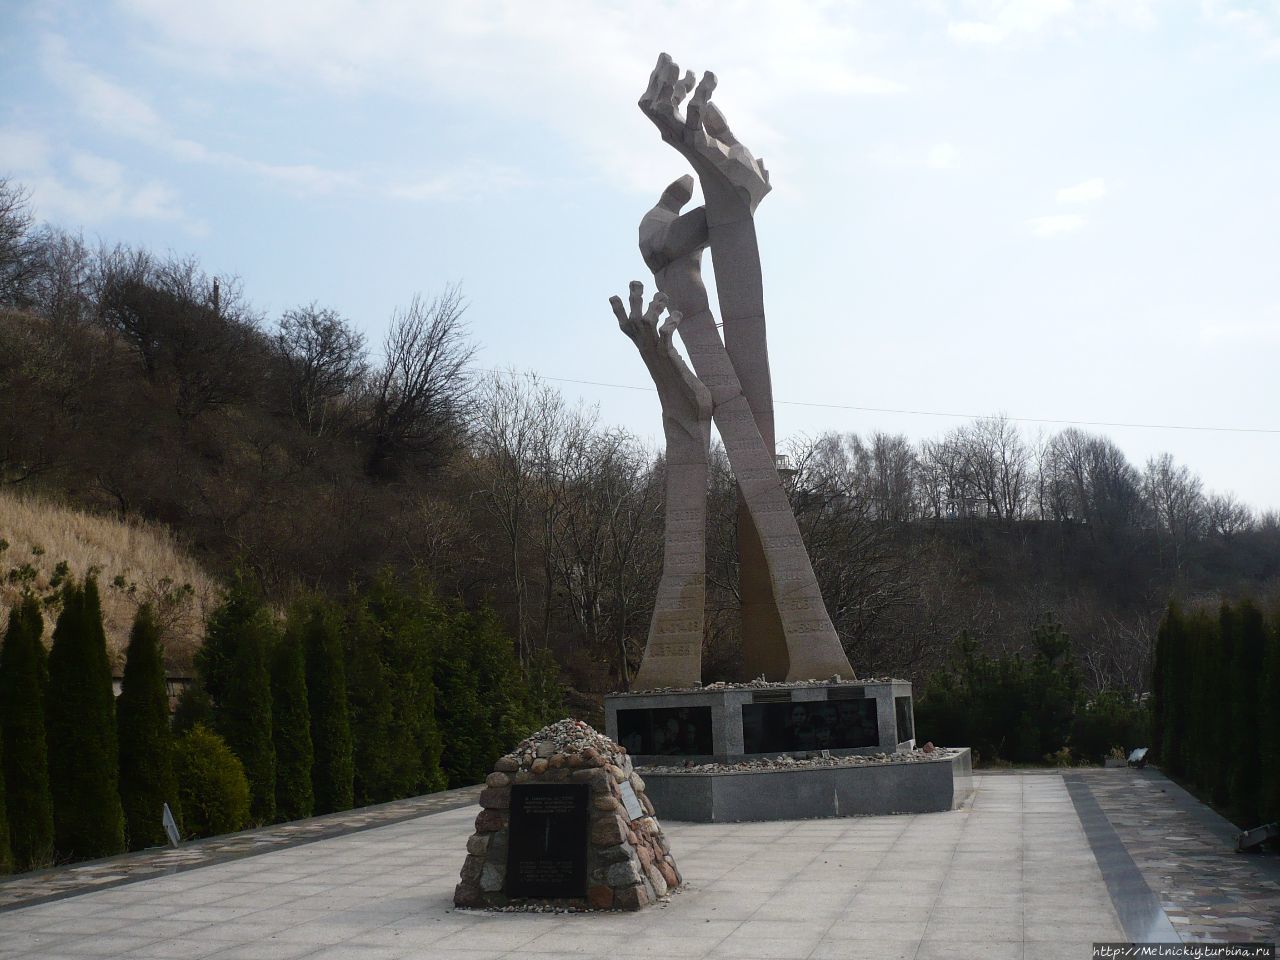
(939, 413)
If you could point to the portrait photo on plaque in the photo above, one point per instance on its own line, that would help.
(666, 731)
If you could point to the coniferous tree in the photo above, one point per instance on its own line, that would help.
(1159, 670)
(193, 707)
(6, 859)
(369, 702)
(332, 770)
(1213, 680)
(396, 627)
(291, 728)
(234, 666)
(1244, 733)
(83, 757)
(460, 709)
(1202, 656)
(1174, 691)
(417, 618)
(23, 678)
(544, 691)
(1269, 725)
(147, 780)
(482, 701)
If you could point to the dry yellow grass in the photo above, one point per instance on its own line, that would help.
(136, 562)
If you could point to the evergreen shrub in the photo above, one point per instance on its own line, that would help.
(81, 727)
(25, 771)
(211, 784)
(146, 742)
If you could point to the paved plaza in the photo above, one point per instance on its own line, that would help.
(1036, 865)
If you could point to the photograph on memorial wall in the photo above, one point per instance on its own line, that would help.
(817, 725)
(666, 731)
(547, 843)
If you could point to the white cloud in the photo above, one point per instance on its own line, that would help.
(1258, 25)
(942, 156)
(938, 156)
(95, 96)
(999, 22)
(1056, 224)
(23, 150)
(87, 189)
(1264, 331)
(478, 179)
(119, 110)
(1012, 23)
(522, 60)
(1089, 191)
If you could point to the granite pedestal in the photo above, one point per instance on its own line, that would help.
(726, 724)
(867, 789)
(720, 729)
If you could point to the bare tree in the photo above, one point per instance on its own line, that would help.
(608, 546)
(889, 464)
(323, 360)
(62, 286)
(943, 480)
(511, 412)
(17, 263)
(416, 398)
(1226, 517)
(190, 331)
(862, 559)
(1177, 505)
(1091, 481)
(997, 465)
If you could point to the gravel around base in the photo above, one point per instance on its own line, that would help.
(794, 763)
(759, 684)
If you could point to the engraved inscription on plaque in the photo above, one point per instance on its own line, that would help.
(547, 840)
(810, 725)
(666, 731)
(631, 802)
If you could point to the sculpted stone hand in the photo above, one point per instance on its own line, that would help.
(733, 184)
(673, 654)
(732, 179)
(804, 645)
(685, 401)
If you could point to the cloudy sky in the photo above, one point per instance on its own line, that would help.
(1062, 210)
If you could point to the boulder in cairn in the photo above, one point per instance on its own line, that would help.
(565, 821)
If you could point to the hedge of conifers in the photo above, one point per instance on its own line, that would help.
(1217, 707)
(394, 693)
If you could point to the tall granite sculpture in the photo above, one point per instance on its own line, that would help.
(786, 631)
(673, 653)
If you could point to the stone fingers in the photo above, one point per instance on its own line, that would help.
(699, 105)
(682, 88)
(655, 82)
(620, 312)
(637, 300)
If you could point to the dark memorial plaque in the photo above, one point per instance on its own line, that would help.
(902, 710)
(666, 731)
(812, 725)
(547, 840)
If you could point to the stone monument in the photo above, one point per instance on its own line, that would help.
(806, 738)
(566, 821)
(786, 631)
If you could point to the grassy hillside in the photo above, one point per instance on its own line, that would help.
(136, 562)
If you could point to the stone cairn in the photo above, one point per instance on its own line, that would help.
(629, 862)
